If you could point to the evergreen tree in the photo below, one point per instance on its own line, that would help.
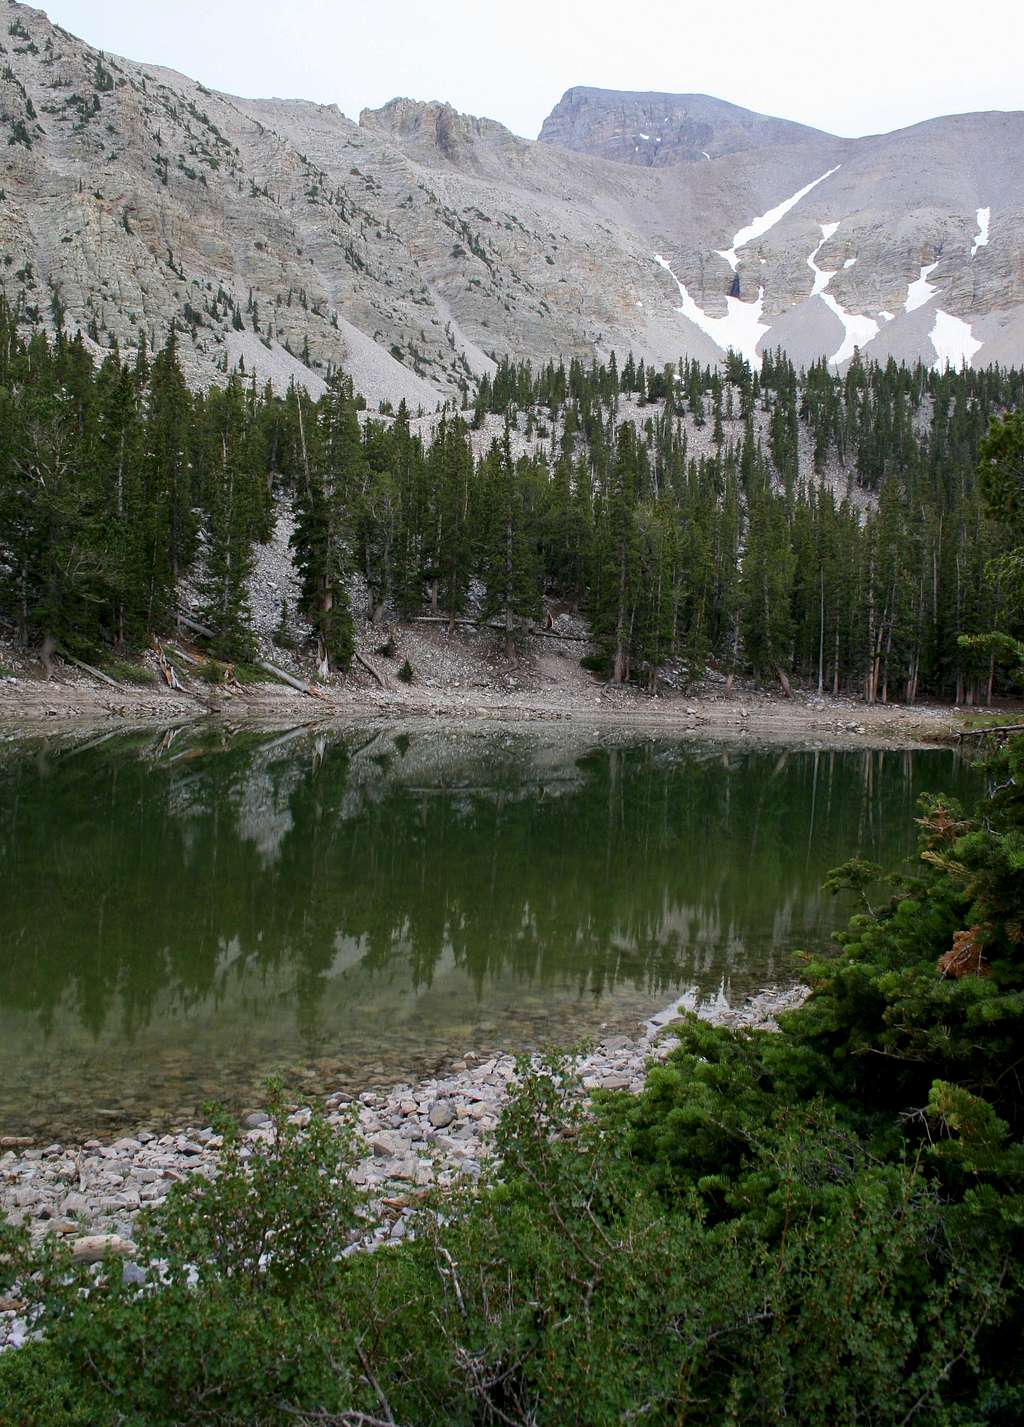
(509, 564)
(234, 497)
(331, 479)
(767, 585)
(167, 482)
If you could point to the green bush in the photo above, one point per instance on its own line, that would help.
(238, 1319)
(809, 1283)
(405, 673)
(251, 674)
(127, 672)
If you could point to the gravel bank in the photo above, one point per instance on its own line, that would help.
(432, 1133)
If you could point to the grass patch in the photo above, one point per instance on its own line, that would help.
(249, 674)
(992, 720)
(126, 672)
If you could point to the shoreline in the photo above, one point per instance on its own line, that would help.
(43, 708)
(463, 676)
(433, 1133)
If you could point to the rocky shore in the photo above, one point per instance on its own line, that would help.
(457, 679)
(432, 1133)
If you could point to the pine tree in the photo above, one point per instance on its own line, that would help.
(613, 588)
(233, 499)
(509, 565)
(167, 482)
(448, 547)
(116, 452)
(331, 479)
(767, 586)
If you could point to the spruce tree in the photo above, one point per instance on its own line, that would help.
(331, 478)
(509, 566)
(233, 499)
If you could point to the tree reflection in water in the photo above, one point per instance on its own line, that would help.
(312, 890)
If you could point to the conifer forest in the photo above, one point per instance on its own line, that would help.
(794, 525)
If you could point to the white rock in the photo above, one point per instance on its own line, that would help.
(94, 1247)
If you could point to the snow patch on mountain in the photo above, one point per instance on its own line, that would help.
(741, 328)
(859, 330)
(921, 290)
(954, 343)
(761, 225)
(984, 217)
(821, 277)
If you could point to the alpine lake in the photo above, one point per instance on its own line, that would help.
(187, 912)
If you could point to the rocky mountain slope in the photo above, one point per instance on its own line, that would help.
(416, 246)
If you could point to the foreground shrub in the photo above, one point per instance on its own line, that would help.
(813, 1284)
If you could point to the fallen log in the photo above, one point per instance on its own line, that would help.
(203, 629)
(994, 728)
(184, 654)
(289, 679)
(553, 634)
(167, 673)
(489, 624)
(372, 671)
(88, 669)
(443, 619)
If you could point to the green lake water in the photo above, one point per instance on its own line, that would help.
(184, 914)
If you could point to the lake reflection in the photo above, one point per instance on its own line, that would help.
(183, 914)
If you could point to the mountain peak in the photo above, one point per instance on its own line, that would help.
(651, 129)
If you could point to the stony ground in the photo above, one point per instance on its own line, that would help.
(436, 1132)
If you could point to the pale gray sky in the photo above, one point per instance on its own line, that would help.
(862, 67)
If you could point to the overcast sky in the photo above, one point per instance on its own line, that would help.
(857, 68)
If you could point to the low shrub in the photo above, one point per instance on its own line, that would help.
(596, 663)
